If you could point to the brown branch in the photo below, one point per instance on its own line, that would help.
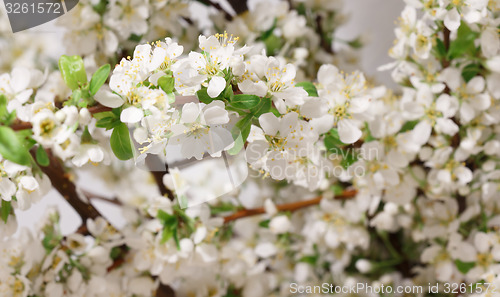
(62, 183)
(217, 6)
(445, 63)
(239, 6)
(99, 108)
(151, 162)
(323, 42)
(348, 194)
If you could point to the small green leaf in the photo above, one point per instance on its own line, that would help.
(265, 223)
(332, 140)
(356, 43)
(273, 43)
(5, 210)
(176, 237)
(165, 218)
(348, 158)
(115, 252)
(166, 234)
(166, 83)
(203, 96)
(408, 126)
(464, 267)
(72, 71)
(263, 107)
(337, 189)
(104, 114)
(240, 133)
(309, 87)
(99, 78)
(244, 101)
(120, 142)
(464, 43)
(41, 156)
(440, 49)
(470, 71)
(86, 137)
(107, 123)
(309, 259)
(11, 147)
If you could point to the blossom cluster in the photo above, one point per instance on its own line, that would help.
(351, 182)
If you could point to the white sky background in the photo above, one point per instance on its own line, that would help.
(372, 18)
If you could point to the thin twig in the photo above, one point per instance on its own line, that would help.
(323, 42)
(92, 196)
(348, 194)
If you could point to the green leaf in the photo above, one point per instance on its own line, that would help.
(240, 133)
(244, 101)
(273, 44)
(166, 219)
(104, 114)
(348, 158)
(464, 43)
(99, 78)
(332, 140)
(11, 147)
(221, 208)
(166, 83)
(107, 123)
(263, 107)
(265, 223)
(309, 259)
(166, 234)
(41, 156)
(471, 71)
(464, 267)
(356, 43)
(408, 126)
(5, 210)
(270, 31)
(176, 237)
(120, 142)
(86, 137)
(309, 87)
(72, 71)
(440, 49)
(203, 96)
(4, 114)
(337, 189)
(115, 252)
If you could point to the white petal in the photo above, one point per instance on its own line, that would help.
(20, 79)
(108, 98)
(216, 85)
(131, 114)
(159, 55)
(7, 189)
(190, 112)
(265, 249)
(216, 114)
(348, 132)
(29, 183)
(269, 123)
(452, 19)
(96, 154)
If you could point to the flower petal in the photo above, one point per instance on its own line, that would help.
(131, 114)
